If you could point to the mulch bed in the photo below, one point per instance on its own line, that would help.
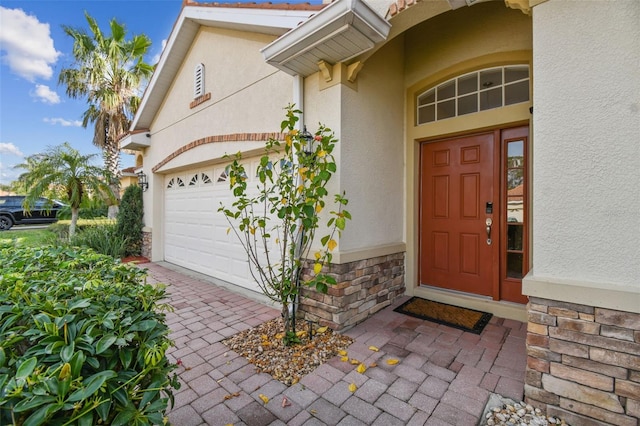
(263, 347)
(135, 259)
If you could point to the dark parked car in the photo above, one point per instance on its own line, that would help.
(12, 213)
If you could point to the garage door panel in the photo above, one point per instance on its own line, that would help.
(196, 234)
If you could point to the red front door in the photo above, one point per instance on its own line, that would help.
(459, 217)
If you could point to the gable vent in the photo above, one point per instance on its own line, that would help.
(198, 81)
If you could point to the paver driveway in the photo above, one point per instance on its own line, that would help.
(444, 376)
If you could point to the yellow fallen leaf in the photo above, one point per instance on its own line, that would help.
(264, 337)
(264, 398)
(344, 359)
(353, 387)
(355, 361)
(392, 361)
(342, 352)
(322, 329)
(279, 335)
(361, 368)
(373, 348)
(231, 395)
(301, 333)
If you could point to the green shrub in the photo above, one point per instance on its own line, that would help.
(90, 208)
(129, 221)
(82, 340)
(104, 239)
(61, 227)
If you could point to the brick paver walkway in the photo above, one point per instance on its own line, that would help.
(444, 376)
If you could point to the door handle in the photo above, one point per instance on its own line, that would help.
(488, 222)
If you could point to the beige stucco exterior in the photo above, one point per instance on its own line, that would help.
(369, 124)
(446, 46)
(372, 116)
(583, 155)
(247, 96)
(378, 137)
(586, 230)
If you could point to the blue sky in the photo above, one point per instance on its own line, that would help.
(35, 112)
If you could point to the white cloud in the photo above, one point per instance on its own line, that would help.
(46, 95)
(63, 122)
(26, 44)
(156, 57)
(9, 148)
(8, 173)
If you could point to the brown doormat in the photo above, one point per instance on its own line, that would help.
(441, 313)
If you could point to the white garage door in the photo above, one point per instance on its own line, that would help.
(196, 233)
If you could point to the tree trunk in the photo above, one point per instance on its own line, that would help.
(112, 212)
(111, 154)
(75, 213)
(286, 319)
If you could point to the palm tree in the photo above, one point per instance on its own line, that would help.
(65, 168)
(108, 72)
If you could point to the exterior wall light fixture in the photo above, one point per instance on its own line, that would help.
(308, 138)
(142, 181)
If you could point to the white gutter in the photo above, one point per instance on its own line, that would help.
(298, 98)
(339, 32)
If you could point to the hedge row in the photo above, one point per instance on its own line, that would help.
(82, 340)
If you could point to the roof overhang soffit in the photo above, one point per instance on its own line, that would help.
(136, 141)
(339, 33)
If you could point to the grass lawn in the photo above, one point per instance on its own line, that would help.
(29, 237)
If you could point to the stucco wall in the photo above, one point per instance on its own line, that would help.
(448, 45)
(247, 96)
(462, 35)
(586, 193)
(372, 151)
(368, 121)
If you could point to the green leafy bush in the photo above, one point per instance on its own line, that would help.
(277, 226)
(61, 227)
(90, 208)
(82, 340)
(105, 239)
(129, 221)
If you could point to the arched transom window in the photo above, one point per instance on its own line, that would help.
(476, 91)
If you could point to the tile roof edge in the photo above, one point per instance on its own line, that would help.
(254, 5)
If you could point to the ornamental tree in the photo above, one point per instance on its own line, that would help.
(276, 222)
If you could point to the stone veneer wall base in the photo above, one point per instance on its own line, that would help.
(146, 244)
(363, 288)
(583, 363)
